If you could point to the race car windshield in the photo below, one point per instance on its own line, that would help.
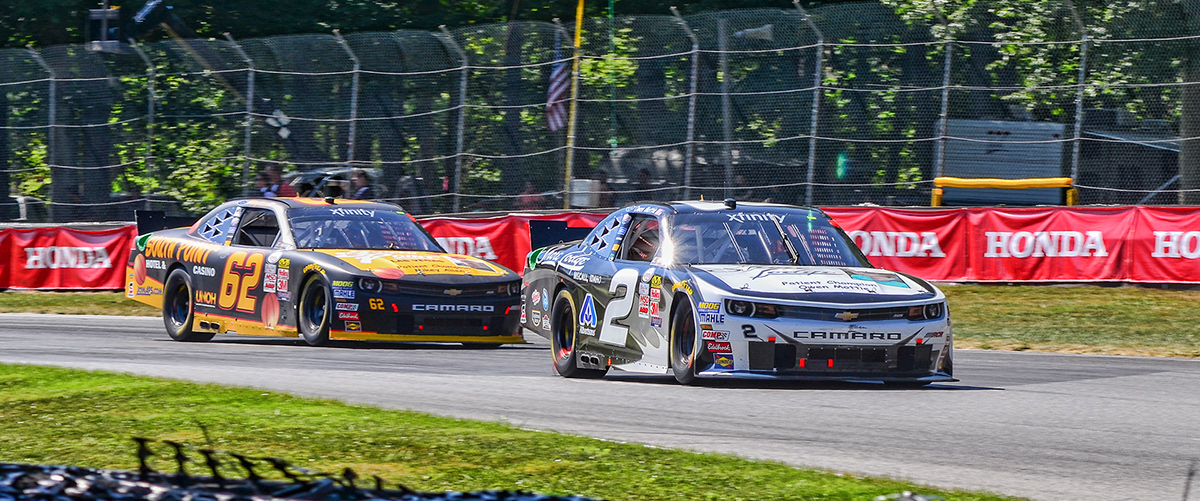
(799, 238)
(349, 228)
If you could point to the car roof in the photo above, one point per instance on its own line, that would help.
(704, 206)
(304, 202)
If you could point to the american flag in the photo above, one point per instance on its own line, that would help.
(560, 81)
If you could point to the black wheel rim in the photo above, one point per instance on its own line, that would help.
(314, 307)
(563, 333)
(686, 338)
(181, 305)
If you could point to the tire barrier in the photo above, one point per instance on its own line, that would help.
(36, 482)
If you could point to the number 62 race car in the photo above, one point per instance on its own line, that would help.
(704, 289)
(320, 269)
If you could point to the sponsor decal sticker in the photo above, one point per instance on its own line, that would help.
(522, 309)
(269, 273)
(655, 294)
(655, 321)
(656, 281)
(204, 271)
(274, 257)
(723, 361)
(284, 295)
(346, 306)
(281, 280)
(546, 322)
(647, 274)
(718, 347)
(654, 308)
(644, 306)
(155, 264)
(131, 291)
(537, 316)
(314, 266)
(206, 298)
(343, 293)
(644, 289)
(535, 296)
(709, 307)
(354, 326)
(343, 283)
(285, 263)
(587, 316)
(708, 335)
(712, 318)
(348, 315)
(687, 288)
(545, 300)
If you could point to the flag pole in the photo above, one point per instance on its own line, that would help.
(571, 114)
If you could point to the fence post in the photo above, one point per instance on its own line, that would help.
(726, 127)
(150, 76)
(816, 105)
(939, 155)
(448, 40)
(353, 97)
(1083, 46)
(51, 128)
(691, 117)
(249, 112)
(573, 108)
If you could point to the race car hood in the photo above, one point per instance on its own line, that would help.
(825, 284)
(418, 266)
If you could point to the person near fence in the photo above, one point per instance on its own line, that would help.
(362, 186)
(530, 199)
(262, 184)
(276, 186)
(604, 193)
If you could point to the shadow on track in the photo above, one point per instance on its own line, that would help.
(771, 384)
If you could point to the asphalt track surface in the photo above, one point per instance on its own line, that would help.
(1043, 426)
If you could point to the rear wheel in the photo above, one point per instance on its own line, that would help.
(179, 310)
(315, 311)
(563, 331)
(685, 348)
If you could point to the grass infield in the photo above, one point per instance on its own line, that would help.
(1074, 319)
(72, 417)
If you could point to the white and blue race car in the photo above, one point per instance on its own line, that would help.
(711, 289)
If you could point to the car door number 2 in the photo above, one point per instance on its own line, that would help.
(612, 332)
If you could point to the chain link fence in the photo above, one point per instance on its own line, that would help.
(844, 104)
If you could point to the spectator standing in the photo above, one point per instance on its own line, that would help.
(362, 186)
(276, 186)
(262, 186)
(604, 195)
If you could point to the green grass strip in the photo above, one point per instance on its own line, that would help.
(72, 417)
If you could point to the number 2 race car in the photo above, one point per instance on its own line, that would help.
(322, 270)
(704, 289)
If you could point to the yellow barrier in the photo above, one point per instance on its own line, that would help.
(1007, 184)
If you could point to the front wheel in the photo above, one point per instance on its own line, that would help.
(315, 311)
(563, 330)
(179, 310)
(686, 351)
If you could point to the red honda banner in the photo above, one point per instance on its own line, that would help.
(504, 239)
(1164, 245)
(64, 259)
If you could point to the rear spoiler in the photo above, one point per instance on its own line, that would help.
(543, 233)
(155, 220)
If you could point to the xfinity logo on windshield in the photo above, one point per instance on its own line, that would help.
(453, 307)
(742, 217)
(352, 212)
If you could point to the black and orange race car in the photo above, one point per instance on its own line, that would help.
(320, 269)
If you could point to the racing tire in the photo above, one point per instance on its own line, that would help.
(563, 333)
(179, 309)
(685, 344)
(315, 311)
